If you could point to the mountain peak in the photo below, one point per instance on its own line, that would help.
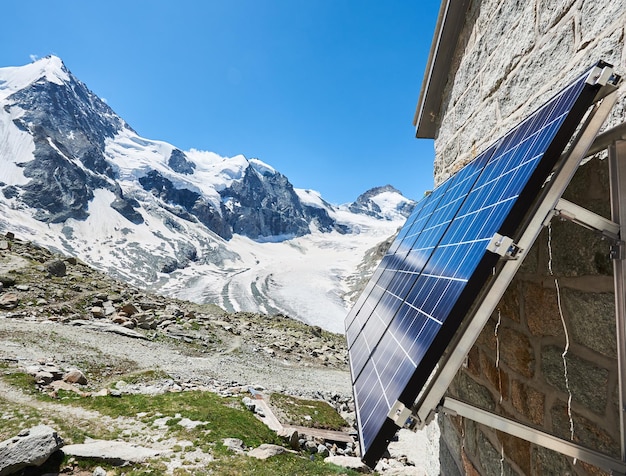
(15, 78)
(384, 202)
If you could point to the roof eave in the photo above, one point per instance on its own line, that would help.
(452, 14)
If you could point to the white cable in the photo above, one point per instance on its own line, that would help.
(566, 349)
(498, 353)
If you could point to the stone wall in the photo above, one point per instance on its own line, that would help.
(512, 55)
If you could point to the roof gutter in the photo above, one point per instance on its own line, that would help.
(450, 22)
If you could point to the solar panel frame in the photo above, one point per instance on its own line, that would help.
(373, 439)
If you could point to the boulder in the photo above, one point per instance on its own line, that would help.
(9, 301)
(266, 451)
(112, 452)
(233, 444)
(56, 268)
(130, 309)
(7, 280)
(349, 462)
(322, 450)
(75, 376)
(29, 448)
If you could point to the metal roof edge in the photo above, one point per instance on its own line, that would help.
(450, 22)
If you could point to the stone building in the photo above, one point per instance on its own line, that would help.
(492, 62)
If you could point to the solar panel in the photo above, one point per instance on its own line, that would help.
(434, 270)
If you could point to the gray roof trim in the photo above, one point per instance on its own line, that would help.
(450, 22)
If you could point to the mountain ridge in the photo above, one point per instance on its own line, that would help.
(78, 179)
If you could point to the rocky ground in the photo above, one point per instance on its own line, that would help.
(58, 314)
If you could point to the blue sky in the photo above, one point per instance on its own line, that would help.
(322, 90)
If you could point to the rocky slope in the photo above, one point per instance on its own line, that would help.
(38, 286)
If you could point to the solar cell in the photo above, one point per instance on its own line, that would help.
(431, 275)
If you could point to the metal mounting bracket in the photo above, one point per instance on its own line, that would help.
(603, 75)
(569, 211)
(400, 414)
(618, 250)
(504, 246)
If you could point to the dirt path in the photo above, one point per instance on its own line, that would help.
(31, 340)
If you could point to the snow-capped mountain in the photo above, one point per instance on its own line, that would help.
(77, 178)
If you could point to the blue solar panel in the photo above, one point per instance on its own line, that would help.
(431, 275)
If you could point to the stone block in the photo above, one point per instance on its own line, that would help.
(552, 55)
(591, 318)
(491, 460)
(514, 16)
(586, 432)
(496, 376)
(486, 339)
(577, 251)
(541, 310)
(470, 433)
(516, 352)
(448, 461)
(517, 450)
(509, 305)
(473, 362)
(471, 391)
(548, 462)
(450, 436)
(468, 467)
(596, 18)
(588, 382)
(528, 401)
(550, 13)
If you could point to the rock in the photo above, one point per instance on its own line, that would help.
(43, 377)
(7, 281)
(349, 462)
(30, 448)
(106, 327)
(266, 451)
(9, 301)
(116, 298)
(129, 309)
(97, 311)
(68, 387)
(322, 450)
(233, 444)
(56, 268)
(75, 376)
(249, 403)
(113, 452)
(99, 472)
(310, 446)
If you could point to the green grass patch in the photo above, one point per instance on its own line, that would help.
(287, 463)
(14, 418)
(222, 417)
(309, 413)
(145, 376)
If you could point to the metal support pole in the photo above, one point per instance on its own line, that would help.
(569, 448)
(617, 174)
